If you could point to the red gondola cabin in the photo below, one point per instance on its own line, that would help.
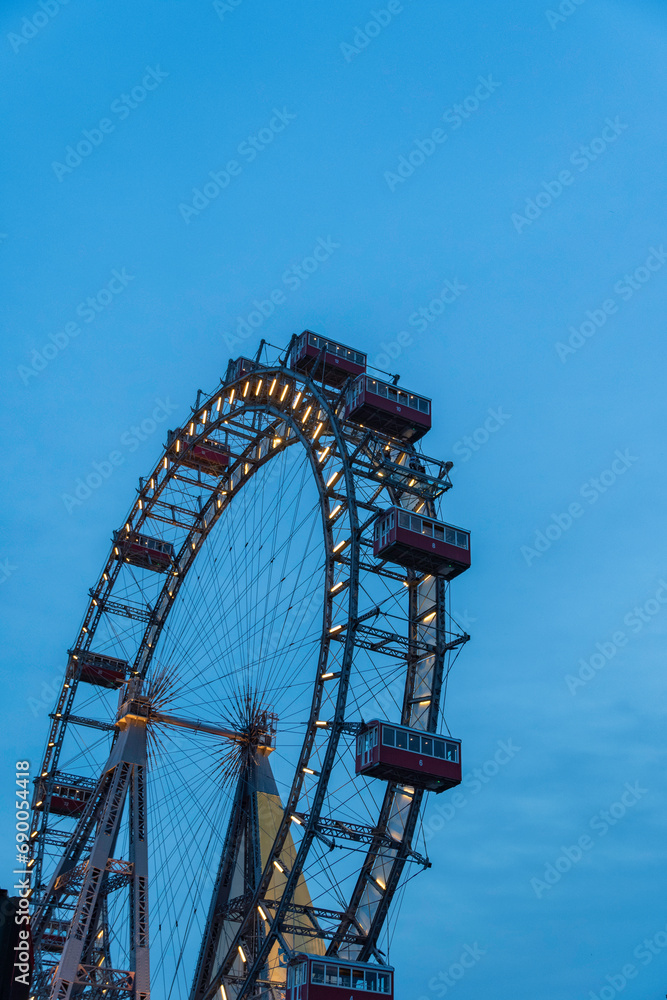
(386, 408)
(421, 543)
(311, 977)
(69, 794)
(55, 935)
(239, 367)
(208, 456)
(144, 551)
(328, 361)
(410, 756)
(98, 668)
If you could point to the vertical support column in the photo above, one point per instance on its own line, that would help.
(68, 974)
(139, 953)
(126, 768)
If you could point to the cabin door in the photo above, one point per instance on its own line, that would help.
(367, 744)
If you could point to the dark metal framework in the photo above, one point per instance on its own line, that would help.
(357, 473)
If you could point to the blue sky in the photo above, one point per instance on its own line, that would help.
(583, 93)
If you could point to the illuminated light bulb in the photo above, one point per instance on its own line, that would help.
(284, 392)
(380, 883)
(245, 389)
(332, 479)
(295, 401)
(335, 510)
(335, 628)
(318, 431)
(231, 397)
(426, 702)
(341, 545)
(309, 770)
(337, 586)
(262, 914)
(218, 405)
(191, 428)
(258, 387)
(276, 864)
(295, 819)
(324, 453)
(242, 955)
(273, 385)
(429, 617)
(321, 723)
(306, 415)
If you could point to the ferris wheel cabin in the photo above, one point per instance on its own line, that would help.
(208, 456)
(98, 668)
(55, 935)
(329, 361)
(386, 408)
(69, 793)
(410, 756)
(239, 367)
(144, 551)
(310, 977)
(421, 543)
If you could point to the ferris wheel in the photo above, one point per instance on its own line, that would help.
(250, 714)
